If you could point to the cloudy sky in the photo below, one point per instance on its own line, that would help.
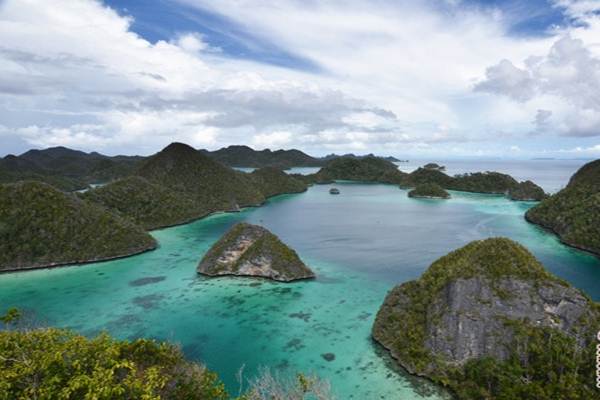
(420, 78)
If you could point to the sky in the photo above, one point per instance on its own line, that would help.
(414, 79)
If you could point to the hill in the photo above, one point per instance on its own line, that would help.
(429, 191)
(180, 184)
(211, 184)
(478, 182)
(244, 156)
(574, 212)
(367, 169)
(41, 226)
(251, 250)
(65, 168)
(490, 322)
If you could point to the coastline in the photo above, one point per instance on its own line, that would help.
(560, 238)
(140, 251)
(82, 262)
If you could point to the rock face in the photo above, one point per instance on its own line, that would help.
(574, 212)
(251, 250)
(41, 226)
(429, 191)
(489, 304)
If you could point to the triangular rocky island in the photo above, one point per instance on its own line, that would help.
(251, 250)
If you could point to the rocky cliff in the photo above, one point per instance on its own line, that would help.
(490, 309)
(251, 250)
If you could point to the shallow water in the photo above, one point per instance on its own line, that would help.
(360, 244)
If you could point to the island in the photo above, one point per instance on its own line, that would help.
(429, 191)
(180, 184)
(244, 156)
(526, 191)
(64, 168)
(42, 227)
(574, 213)
(434, 166)
(365, 169)
(251, 250)
(489, 182)
(488, 321)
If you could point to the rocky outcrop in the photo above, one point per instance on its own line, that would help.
(491, 305)
(251, 250)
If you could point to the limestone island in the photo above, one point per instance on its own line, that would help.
(251, 250)
(42, 227)
(489, 322)
(429, 191)
(574, 212)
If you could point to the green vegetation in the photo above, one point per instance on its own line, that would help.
(244, 156)
(543, 362)
(429, 190)
(479, 182)
(527, 191)
(64, 168)
(574, 212)
(272, 181)
(180, 184)
(57, 364)
(434, 166)
(41, 226)
(367, 169)
(551, 370)
(251, 250)
(150, 205)
(483, 182)
(212, 185)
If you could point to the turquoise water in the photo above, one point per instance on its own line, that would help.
(360, 244)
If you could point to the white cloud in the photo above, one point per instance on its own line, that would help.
(382, 84)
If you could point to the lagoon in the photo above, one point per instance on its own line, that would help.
(360, 244)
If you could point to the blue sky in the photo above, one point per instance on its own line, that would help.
(437, 78)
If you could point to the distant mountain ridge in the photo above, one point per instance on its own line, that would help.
(244, 156)
(65, 168)
(70, 170)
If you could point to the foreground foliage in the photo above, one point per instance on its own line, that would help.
(50, 363)
(57, 364)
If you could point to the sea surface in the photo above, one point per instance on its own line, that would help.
(360, 244)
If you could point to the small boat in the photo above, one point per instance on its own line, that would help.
(334, 191)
